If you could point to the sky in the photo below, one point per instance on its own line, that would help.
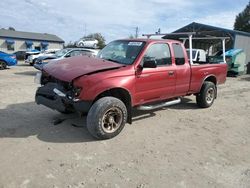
(114, 19)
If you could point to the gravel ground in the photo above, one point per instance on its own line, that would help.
(178, 146)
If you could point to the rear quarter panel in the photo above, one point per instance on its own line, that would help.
(7, 58)
(199, 73)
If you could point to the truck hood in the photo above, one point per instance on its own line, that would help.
(71, 68)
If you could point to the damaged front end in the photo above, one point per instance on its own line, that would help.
(59, 95)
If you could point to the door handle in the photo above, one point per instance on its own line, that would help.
(170, 73)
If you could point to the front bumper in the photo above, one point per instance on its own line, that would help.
(47, 96)
(39, 66)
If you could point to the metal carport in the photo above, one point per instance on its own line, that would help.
(238, 39)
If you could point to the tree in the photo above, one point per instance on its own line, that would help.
(11, 28)
(131, 36)
(242, 20)
(98, 36)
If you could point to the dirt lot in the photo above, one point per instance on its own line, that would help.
(179, 146)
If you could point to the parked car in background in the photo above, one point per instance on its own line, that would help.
(87, 42)
(198, 55)
(7, 60)
(20, 55)
(29, 53)
(33, 57)
(64, 53)
(236, 61)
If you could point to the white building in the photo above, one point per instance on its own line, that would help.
(12, 41)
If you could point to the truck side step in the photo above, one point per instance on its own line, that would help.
(159, 105)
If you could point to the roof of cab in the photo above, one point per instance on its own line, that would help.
(150, 40)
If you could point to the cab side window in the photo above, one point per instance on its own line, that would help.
(160, 53)
(85, 52)
(178, 54)
(75, 53)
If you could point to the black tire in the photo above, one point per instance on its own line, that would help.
(3, 65)
(207, 95)
(34, 61)
(66, 111)
(106, 118)
(31, 64)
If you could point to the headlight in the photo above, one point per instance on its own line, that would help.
(76, 91)
(37, 61)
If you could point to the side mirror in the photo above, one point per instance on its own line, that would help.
(149, 64)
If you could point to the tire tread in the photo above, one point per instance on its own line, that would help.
(95, 114)
(201, 97)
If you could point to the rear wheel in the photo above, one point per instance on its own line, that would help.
(34, 61)
(207, 95)
(3, 65)
(81, 44)
(106, 118)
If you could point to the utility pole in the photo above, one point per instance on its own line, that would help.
(136, 32)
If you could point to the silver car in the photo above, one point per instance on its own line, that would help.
(64, 53)
(87, 42)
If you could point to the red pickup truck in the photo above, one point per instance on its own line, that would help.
(134, 73)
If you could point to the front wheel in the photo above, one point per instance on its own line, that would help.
(34, 61)
(106, 118)
(207, 95)
(3, 65)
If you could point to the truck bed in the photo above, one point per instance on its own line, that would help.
(199, 72)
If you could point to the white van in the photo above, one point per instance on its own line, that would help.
(199, 55)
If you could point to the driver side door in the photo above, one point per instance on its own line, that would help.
(158, 83)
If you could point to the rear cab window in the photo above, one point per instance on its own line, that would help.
(178, 54)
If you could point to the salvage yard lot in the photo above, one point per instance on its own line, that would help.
(178, 146)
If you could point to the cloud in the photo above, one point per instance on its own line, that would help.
(223, 19)
(114, 19)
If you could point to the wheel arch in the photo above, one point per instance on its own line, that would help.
(3, 60)
(80, 43)
(210, 78)
(122, 94)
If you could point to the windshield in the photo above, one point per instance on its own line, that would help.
(60, 53)
(122, 52)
